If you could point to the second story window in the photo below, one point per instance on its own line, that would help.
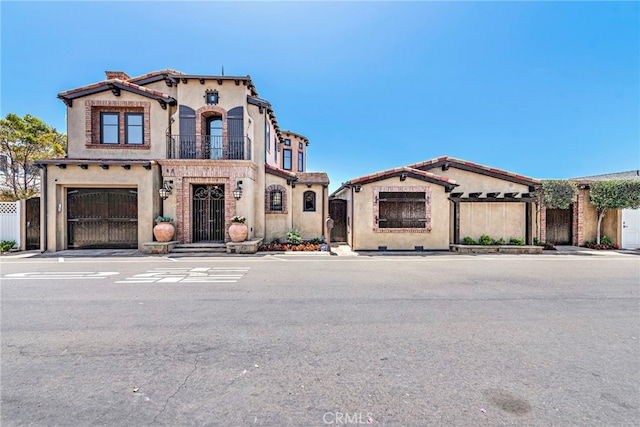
(134, 132)
(109, 128)
(300, 162)
(287, 142)
(275, 148)
(118, 124)
(300, 146)
(286, 160)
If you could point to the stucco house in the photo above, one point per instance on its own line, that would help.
(578, 224)
(433, 204)
(196, 137)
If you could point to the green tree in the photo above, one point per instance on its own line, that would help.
(558, 193)
(614, 195)
(22, 141)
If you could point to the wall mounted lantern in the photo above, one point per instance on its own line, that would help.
(165, 190)
(237, 193)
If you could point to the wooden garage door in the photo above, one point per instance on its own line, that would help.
(559, 226)
(102, 218)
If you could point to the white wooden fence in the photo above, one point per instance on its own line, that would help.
(10, 221)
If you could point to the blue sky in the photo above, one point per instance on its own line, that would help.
(545, 89)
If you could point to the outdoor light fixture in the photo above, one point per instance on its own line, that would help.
(403, 176)
(237, 193)
(165, 190)
(358, 188)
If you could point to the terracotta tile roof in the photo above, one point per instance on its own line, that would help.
(106, 85)
(396, 171)
(312, 178)
(464, 164)
(157, 73)
(279, 172)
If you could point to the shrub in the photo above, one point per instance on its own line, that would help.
(500, 241)
(7, 245)
(469, 241)
(163, 219)
(294, 237)
(606, 241)
(516, 241)
(486, 240)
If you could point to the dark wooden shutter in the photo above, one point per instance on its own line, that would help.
(187, 132)
(235, 126)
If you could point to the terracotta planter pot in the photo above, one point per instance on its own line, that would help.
(164, 231)
(238, 232)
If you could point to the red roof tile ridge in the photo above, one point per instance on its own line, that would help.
(274, 168)
(157, 73)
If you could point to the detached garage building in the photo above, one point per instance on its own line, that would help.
(432, 204)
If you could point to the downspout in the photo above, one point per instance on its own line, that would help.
(264, 162)
(322, 219)
(44, 203)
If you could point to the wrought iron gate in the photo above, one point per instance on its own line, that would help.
(100, 218)
(208, 213)
(33, 223)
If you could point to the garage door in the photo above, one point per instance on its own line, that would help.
(102, 218)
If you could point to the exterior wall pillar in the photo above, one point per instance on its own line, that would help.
(578, 218)
(543, 223)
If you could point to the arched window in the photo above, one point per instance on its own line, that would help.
(309, 201)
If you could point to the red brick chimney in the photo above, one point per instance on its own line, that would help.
(117, 75)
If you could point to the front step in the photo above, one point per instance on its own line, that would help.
(200, 248)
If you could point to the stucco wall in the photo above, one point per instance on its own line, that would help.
(611, 223)
(278, 224)
(77, 123)
(310, 224)
(365, 238)
(59, 180)
(474, 182)
(498, 220)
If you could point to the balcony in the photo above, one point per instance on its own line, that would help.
(204, 147)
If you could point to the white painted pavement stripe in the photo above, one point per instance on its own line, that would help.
(60, 259)
(61, 275)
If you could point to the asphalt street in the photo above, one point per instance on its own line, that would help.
(276, 340)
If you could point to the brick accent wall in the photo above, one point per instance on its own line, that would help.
(201, 125)
(400, 188)
(92, 122)
(578, 217)
(193, 172)
(267, 199)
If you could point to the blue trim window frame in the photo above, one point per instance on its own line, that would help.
(275, 148)
(287, 142)
(300, 146)
(300, 162)
(134, 128)
(286, 159)
(109, 128)
(309, 201)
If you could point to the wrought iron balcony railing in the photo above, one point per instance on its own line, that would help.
(208, 147)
